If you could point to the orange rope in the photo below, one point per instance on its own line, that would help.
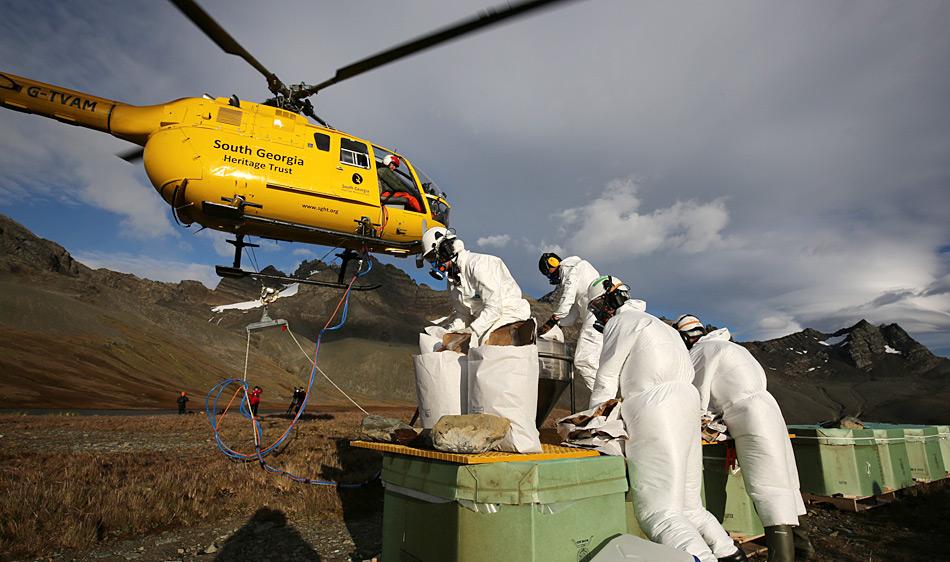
(289, 427)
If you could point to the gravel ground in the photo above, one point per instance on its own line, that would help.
(267, 536)
(916, 527)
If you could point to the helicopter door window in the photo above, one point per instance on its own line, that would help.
(322, 141)
(396, 187)
(354, 153)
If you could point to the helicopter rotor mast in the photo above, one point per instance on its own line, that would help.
(295, 96)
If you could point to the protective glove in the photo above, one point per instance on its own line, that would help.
(547, 326)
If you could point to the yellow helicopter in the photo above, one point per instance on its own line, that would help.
(263, 169)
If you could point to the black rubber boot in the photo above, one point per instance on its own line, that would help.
(804, 550)
(781, 543)
(739, 556)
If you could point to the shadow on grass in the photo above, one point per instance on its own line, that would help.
(361, 496)
(266, 535)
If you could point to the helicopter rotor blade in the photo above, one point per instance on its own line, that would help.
(223, 39)
(133, 155)
(482, 20)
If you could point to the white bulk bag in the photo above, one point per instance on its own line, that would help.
(431, 339)
(441, 385)
(503, 380)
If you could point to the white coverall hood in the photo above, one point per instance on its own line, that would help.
(576, 277)
(645, 359)
(733, 384)
(486, 296)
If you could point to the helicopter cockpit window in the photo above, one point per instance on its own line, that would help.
(354, 153)
(440, 211)
(396, 187)
(322, 141)
(428, 185)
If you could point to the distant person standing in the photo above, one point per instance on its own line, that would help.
(294, 400)
(300, 399)
(254, 397)
(182, 401)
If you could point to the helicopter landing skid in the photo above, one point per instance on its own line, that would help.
(237, 273)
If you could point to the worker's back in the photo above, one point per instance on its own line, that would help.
(581, 274)
(657, 355)
(725, 371)
(485, 280)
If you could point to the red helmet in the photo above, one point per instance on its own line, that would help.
(391, 159)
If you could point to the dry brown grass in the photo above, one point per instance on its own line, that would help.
(68, 483)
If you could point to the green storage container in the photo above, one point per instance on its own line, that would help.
(557, 510)
(923, 450)
(944, 433)
(837, 461)
(892, 452)
(725, 496)
(633, 526)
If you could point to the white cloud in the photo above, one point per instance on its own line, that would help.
(150, 268)
(777, 325)
(219, 242)
(304, 252)
(495, 241)
(77, 166)
(612, 224)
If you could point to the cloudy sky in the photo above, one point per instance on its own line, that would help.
(765, 165)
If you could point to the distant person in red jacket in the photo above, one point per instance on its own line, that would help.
(182, 401)
(255, 399)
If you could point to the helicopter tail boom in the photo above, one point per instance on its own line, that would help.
(128, 122)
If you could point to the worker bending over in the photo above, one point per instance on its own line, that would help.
(573, 276)
(484, 295)
(644, 358)
(732, 384)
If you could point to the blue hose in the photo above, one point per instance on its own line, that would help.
(211, 409)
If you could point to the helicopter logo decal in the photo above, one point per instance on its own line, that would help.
(357, 179)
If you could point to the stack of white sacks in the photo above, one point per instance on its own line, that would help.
(490, 379)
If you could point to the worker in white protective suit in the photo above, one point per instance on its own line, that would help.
(573, 277)
(484, 294)
(644, 358)
(732, 384)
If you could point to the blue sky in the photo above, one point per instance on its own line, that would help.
(768, 166)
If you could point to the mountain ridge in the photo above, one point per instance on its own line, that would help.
(75, 336)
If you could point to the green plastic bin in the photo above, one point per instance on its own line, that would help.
(923, 450)
(725, 496)
(557, 510)
(944, 432)
(892, 452)
(837, 461)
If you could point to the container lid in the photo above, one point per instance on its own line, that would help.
(512, 483)
(831, 436)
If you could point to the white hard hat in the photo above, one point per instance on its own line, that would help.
(689, 325)
(432, 238)
(605, 284)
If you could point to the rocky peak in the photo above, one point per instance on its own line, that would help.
(915, 352)
(865, 342)
(22, 251)
(882, 351)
